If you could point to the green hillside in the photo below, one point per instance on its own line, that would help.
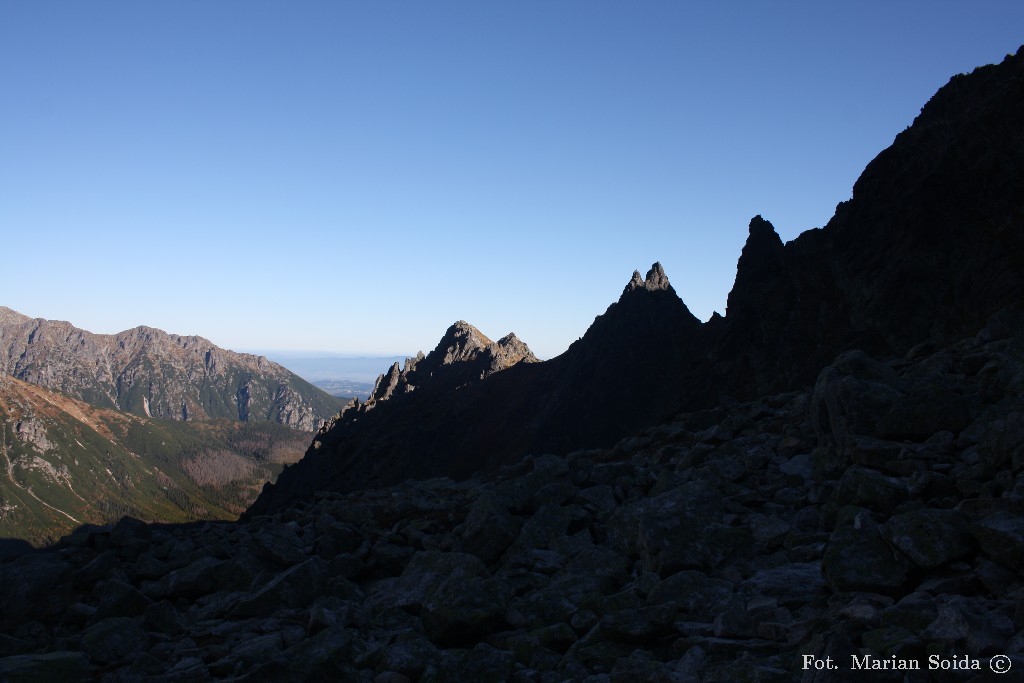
(64, 463)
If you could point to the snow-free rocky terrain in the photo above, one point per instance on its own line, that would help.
(854, 518)
(832, 473)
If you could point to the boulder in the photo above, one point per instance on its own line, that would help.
(489, 529)
(857, 558)
(668, 532)
(924, 410)
(44, 668)
(36, 584)
(1001, 537)
(465, 610)
(696, 596)
(114, 640)
(928, 537)
(792, 584)
(426, 572)
(292, 588)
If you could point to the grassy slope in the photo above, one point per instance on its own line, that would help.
(65, 463)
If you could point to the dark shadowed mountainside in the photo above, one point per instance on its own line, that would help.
(862, 518)
(927, 249)
(473, 404)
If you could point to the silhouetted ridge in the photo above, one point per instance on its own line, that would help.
(928, 248)
(472, 404)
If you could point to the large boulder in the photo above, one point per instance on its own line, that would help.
(36, 584)
(857, 558)
(113, 640)
(929, 537)
(295, 587)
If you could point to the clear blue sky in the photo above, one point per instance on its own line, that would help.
(356, 176)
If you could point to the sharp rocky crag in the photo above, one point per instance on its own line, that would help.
(834, 470)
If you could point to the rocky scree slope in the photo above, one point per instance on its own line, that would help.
(878, 513)
(930, 245)
(148, 372)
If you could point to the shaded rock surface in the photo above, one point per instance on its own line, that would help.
(473, 405)
(927, 249)
(694, 550)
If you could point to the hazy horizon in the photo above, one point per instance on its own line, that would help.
(364, 369)
(355, 177)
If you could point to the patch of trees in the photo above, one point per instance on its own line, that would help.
(218, 467)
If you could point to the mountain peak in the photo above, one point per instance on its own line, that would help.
(760, 264)
(761, 229)
(460, 342)
(149, 372)
(636, 282)
(656, 280)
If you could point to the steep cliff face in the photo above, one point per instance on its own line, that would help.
(148, 372)
(930, 246)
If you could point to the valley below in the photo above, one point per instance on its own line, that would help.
(67, 463)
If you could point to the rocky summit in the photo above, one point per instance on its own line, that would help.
(148, 372)
(824, 485)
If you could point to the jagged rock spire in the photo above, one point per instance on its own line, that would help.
(656, 280)
(758, 268)
(635, 282)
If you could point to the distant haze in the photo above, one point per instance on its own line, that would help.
(313, 367)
